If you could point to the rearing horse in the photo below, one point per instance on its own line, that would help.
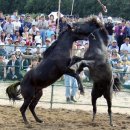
(100, 70)
(55, 63)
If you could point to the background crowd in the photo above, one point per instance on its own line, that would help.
(23, 38)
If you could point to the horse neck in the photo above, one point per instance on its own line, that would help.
(97, 48)
(66, 41)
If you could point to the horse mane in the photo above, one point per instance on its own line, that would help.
(48, 51)
(95, 20)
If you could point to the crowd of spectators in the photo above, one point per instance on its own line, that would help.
(24, 38)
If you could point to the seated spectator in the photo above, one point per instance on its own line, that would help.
(115, 57)
(125, 45)
(13, 69)
(125, 54)
(2, 68)
(33, 31)
(29, 41)
(34, 63)
(25, 33)
(49, 32)
(114, 45)
(18, 54)
(38, 39)
(3, 36)
(2, 49)
(48, 42)
(26, 59)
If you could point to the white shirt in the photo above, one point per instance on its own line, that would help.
(125, 46)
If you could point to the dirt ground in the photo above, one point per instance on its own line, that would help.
(61, 119)
(66, 116)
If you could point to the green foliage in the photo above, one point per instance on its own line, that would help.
(119, 8)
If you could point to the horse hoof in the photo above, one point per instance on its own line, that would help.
(39, 121)
(82, 93)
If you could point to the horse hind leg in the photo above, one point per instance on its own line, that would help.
(33, 105)
(94, 99)
(108, 98)
(24, 108)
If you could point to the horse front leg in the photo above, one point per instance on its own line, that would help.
(76, 76)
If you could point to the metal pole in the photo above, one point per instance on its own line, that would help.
(72, 7)
(52, 93)
(57, 31)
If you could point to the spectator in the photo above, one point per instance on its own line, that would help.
(2, 68)
(109, 27)
(17, 24)
(70, 83)
(49, 32)
(3, 36)
(28, 22)
(25, 33)
(2, 49)
(125, 45)
(114, 45)
(42, 25)
(13, 69)
(34, 63)
(38, 39)
(33, 31)
(9, 27)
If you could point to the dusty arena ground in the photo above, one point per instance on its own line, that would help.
(66, 116)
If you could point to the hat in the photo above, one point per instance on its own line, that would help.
(28, 48)
(9, 38)
(114, 41)
(110, 18)
(38, 46)
(48, 39)
(42, 15)
(23, 15)
(18, 50)
(2, 44)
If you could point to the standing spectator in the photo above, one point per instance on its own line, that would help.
(122, 33)
(109, 27)
(13, 69)
(28, 22)
(33, 31)
(17, 24)
(42, 25)
(52, 23)
(9, 27)
(22, 21)
(2, 19)
(70, 83)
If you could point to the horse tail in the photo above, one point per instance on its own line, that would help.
(12, 91)
(117, 85)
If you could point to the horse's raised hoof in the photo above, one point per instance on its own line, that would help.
(82, 93)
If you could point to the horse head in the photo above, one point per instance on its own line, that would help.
(90, 27)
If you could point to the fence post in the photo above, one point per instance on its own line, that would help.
(52, 93)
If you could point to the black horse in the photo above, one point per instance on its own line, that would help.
(55, 63)
(100, 69)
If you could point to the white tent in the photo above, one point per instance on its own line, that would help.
(55, 15)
